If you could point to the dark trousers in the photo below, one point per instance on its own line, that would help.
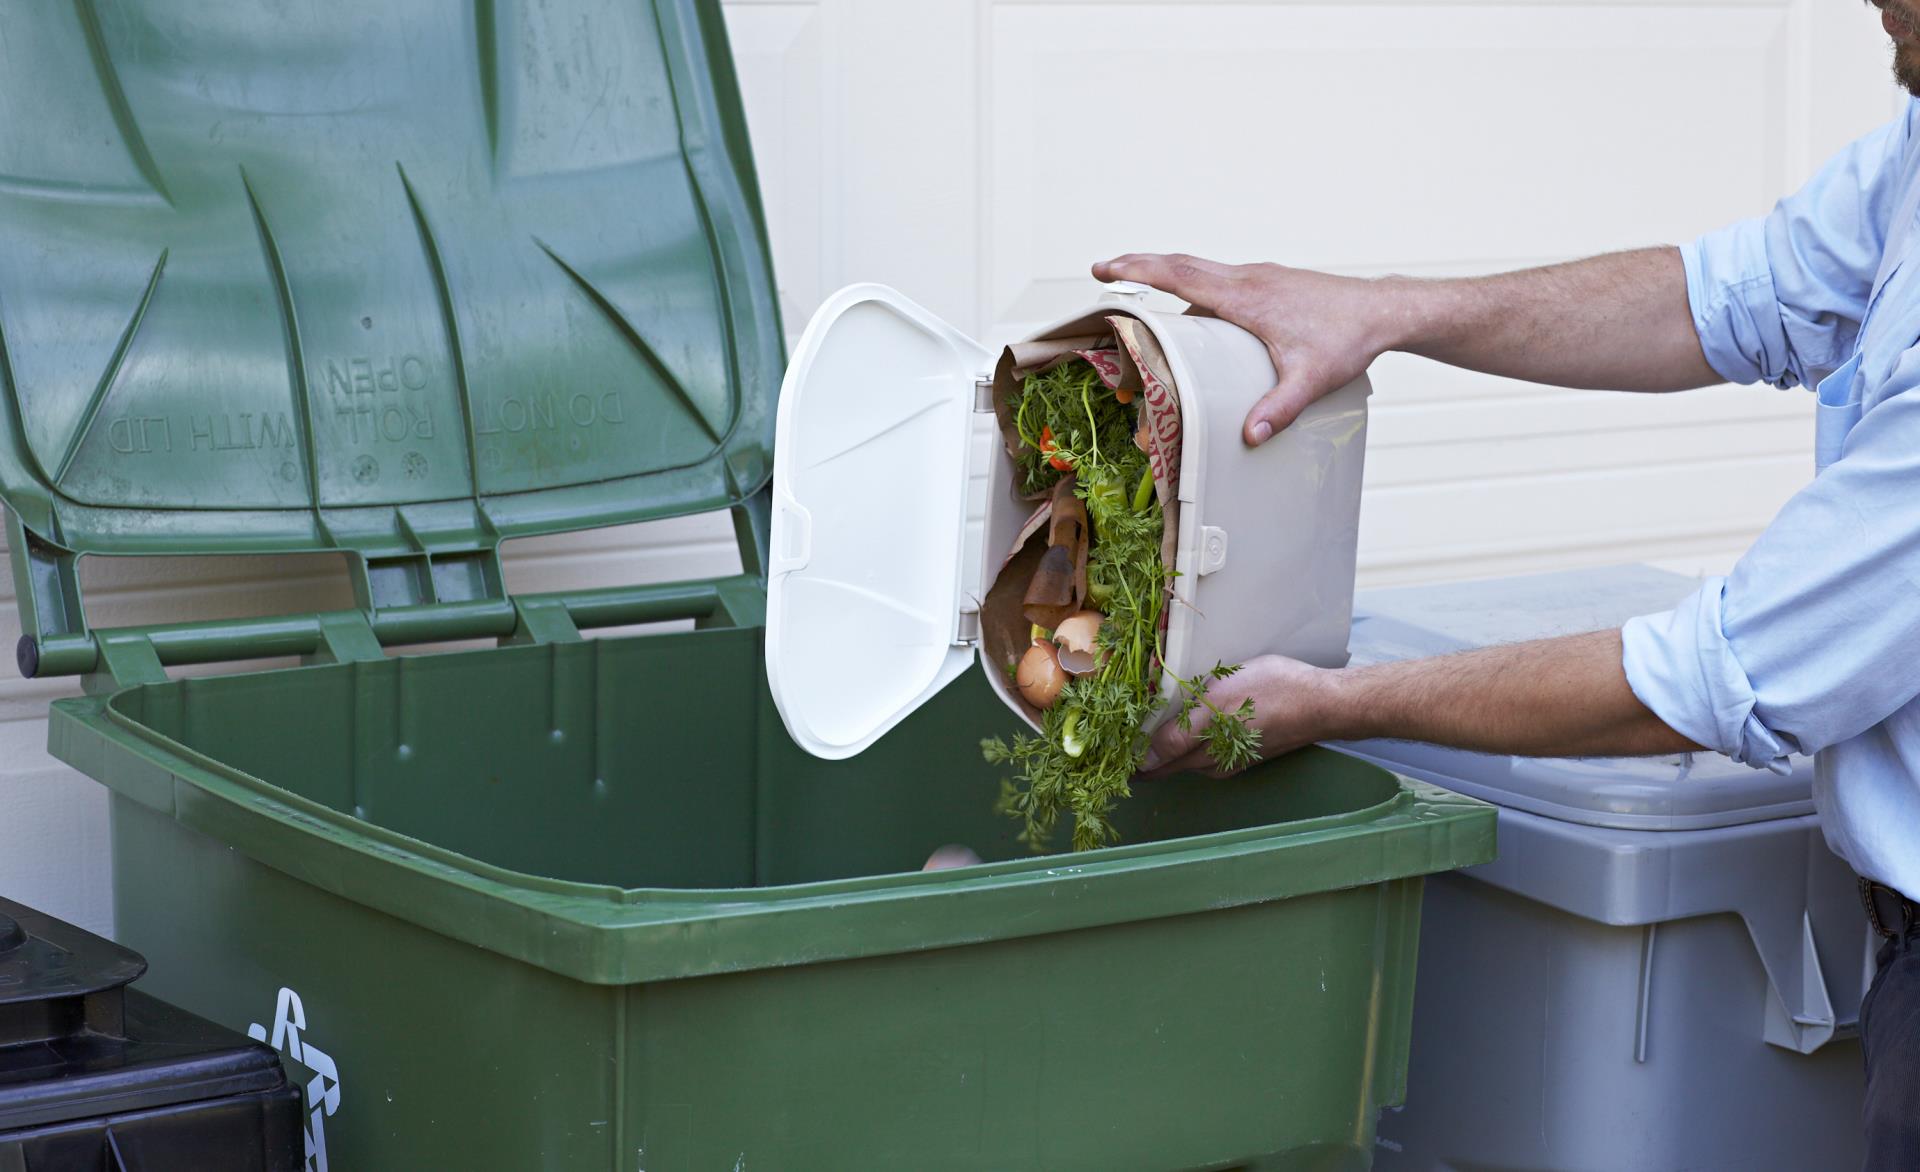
(1890, 1037)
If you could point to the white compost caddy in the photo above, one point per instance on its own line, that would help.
(894, 503)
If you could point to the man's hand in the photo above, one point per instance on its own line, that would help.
(1614, 322)
(1321, 331)
(1565, 697)
(1289, 703)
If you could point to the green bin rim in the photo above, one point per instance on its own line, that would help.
(610, 935)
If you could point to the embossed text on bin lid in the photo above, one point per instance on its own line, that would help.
(363, 275)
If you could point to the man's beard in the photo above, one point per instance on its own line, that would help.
(1906, 67)
(1906, 48)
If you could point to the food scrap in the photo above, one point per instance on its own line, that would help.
(948, 857)
(1096, 601)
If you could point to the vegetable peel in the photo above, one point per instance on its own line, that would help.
(1105, 539)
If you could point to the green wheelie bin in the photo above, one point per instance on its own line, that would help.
(400, 282)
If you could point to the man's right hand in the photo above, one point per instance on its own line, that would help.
(1321, 331)
(1614, 322)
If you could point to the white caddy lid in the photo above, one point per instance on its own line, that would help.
(874, 505)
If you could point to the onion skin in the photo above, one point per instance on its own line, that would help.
(1059, 583)
(1040, 676)
(1050, 595)
(1071, 527)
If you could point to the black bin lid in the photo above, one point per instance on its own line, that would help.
(77, 1043)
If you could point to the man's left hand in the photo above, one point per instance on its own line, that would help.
(1564, 697)
(1287, 700)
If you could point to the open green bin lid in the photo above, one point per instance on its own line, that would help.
(397, 280)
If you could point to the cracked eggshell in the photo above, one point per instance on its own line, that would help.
(1076, 635)
(1040, 676)
(950, 856)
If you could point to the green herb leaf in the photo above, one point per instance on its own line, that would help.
(1100, 714)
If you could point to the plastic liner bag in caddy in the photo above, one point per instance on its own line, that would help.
(1096, 531)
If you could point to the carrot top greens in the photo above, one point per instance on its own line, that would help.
(1092, 740)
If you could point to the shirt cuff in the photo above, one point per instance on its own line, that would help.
(1735, 311)
(1681, 666)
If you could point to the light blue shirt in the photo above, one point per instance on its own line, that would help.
(1812, 643)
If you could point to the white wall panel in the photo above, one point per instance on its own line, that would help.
(1367, 137)
(979, 155)
(780, 52)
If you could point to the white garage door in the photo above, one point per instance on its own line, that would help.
(966, 151)
(981, 154)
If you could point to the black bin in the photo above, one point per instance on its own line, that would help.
(99, 1077)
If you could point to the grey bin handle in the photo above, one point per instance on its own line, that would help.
(1800, 906)
(1812, 1000)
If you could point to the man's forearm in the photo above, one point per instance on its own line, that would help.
(1617, 322)
(1562, 697)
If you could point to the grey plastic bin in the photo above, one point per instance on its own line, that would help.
(1662, 970)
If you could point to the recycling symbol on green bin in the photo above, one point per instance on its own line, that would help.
(323, 1089)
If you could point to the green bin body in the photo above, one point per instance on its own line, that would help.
(400, 282)
(584, 907)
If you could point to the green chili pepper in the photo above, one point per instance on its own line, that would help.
(1143, 495)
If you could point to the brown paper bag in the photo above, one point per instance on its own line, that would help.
(1129, 357)
(1160, 412)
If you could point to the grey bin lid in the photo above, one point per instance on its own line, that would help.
(1688, 791)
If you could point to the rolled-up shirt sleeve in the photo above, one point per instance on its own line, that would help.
(1815, 635)
(1683, 667)
(1779, 298)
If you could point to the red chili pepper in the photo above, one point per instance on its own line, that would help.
(1047, 446)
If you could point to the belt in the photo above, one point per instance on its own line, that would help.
(1886, 907)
